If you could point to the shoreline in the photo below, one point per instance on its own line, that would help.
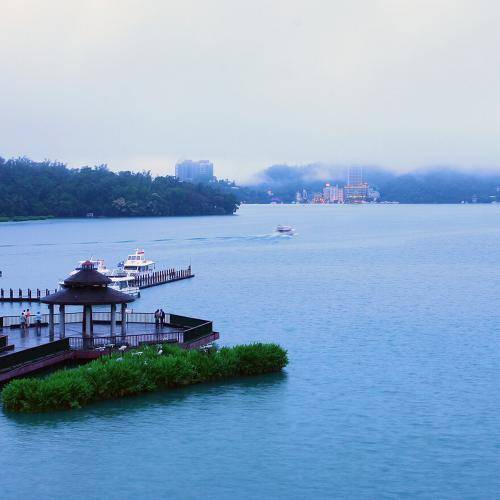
(25, 218)
(32, 218)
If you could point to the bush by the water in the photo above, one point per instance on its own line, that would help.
(137, 372)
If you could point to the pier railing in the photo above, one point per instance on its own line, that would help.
(146, 280)
(13, 321)
(197, 327)
(193, 326)
(77, 317)
(196, 332)
(33, 353)
(20, 295)
(129, 341)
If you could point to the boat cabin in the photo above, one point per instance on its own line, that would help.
(137, 263)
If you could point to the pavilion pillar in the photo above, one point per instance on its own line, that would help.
(124, 318)
(62, 321)
(113, 320)
(88, 320)
(84, 322)
(51, 321)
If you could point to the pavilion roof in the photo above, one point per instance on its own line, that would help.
(87, 287)
(92, 295)
(87, 276)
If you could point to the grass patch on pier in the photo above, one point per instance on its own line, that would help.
(139, 371)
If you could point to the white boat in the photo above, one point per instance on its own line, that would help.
(137, 263)
(285, 229)
(122, 280)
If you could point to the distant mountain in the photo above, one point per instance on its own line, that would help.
(29, 188)
(443, 185)
(434, 185)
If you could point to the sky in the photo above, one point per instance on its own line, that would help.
(142, 84)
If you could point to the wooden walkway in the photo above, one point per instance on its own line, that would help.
(162, 277)
(142, 281)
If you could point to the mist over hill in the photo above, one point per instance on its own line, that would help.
(430, 185)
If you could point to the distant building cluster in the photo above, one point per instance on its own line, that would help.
(355, 191)
(195, 171)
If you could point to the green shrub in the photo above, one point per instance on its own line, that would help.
(137, 372)
(255, 359)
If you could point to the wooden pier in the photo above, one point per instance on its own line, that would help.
(21, 295)
(34, 348)
(162, 277)
(145, 280)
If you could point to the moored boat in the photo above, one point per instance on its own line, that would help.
(124, 282)
(124, 278)
(137, 263)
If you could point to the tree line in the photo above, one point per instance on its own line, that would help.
(29, 188)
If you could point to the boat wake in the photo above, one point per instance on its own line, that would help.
(274, 236)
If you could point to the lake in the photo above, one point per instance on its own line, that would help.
(390, 317)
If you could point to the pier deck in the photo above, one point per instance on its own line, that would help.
(35, 348)
(33, 336)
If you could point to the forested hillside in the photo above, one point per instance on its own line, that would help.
(29, 188)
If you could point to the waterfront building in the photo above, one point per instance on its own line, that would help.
(357, 190)
(356, 193)
(354, 176)
(333, 194)
(318, 198)
(194, 171)
(327, 193)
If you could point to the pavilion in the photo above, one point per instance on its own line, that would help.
(87, 287)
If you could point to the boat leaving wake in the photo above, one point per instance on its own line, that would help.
(274, 236)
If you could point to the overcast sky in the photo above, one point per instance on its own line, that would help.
(142, 84)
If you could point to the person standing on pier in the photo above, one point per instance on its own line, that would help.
(22, 320)
(38, 322)
(162, 318)
(157, 319)
(28, 318)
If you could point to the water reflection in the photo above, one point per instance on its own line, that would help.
(249, 387)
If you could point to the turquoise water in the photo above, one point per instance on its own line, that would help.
(389, 314)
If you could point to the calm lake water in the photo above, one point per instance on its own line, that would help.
(389, 314)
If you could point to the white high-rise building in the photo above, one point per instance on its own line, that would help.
(333, 194)
(194, 171)
(354, 176)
